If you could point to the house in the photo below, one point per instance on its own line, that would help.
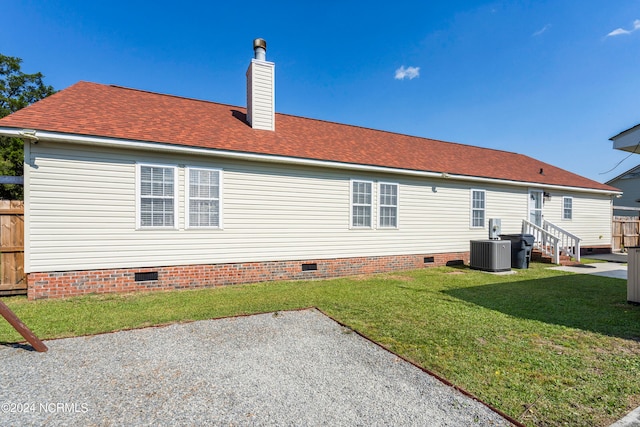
(627, 140)
(129, 190)
(626, 210)
(628, 204)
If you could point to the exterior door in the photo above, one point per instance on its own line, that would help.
(535, 207)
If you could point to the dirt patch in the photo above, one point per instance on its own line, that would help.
(614, 345)
(383, 276)
(621, 346)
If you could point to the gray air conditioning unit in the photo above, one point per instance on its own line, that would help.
(490, 255)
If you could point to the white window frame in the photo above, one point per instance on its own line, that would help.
(564, 218)
(352, 205)
(472, 208)
(139, 196)
(187, 197)
(381, 205)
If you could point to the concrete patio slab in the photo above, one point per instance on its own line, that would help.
(604, 269)
(613, 257)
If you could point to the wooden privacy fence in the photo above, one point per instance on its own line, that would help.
(13, 279)
(625, 232)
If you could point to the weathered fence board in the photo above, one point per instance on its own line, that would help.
(625, 232)
(13, 281)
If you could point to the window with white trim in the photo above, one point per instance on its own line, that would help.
(478, 202)
(157, 206)
(567, 208)
(203, 197)
(388, 195)
(361, 203)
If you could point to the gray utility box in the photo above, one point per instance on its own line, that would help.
(633, 275)
(495, 228)
(490, 255)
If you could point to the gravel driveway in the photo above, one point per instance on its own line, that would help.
(289, 368)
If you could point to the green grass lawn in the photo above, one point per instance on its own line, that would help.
(546, 347)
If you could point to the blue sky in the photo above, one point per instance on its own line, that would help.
(550, 79)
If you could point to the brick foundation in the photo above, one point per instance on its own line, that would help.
(73, 283)
(594, 250)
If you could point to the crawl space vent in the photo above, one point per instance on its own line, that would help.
(146, 277)
(309, 267)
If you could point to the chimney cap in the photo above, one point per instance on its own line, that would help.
(259, 43)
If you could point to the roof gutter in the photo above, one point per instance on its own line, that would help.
(237, 155)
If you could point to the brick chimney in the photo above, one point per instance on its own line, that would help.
(261, 89)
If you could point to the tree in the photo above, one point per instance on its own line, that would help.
(17, 90)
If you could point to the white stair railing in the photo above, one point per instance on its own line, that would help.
(546, 242)
(569, 243)
(552, 240)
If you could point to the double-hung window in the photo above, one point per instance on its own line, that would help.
(388, 217)
(361, 203)
(203, 197)
(157, 188)
(478, 202)
(567, 208)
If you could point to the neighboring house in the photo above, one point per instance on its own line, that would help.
(627, 140)
(629, 181)
(130, 190)
(628, 204)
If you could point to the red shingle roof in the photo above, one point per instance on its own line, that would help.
(112, 111)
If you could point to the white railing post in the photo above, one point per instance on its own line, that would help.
(570, 243)
(551, 240)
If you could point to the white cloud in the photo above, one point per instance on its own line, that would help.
(407, 73)
(541, 30)
(620, 31)
(617, 32)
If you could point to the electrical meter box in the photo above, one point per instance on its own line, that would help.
(495, 228)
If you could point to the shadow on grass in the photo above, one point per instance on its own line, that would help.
(586, 302)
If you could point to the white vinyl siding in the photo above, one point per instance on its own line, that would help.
(478, 206)
(567, 208)
(82, 213)
(590, 216)
(204, 197)
(361, 204)
(388, 216)
(261, 95)
(629, 184)
(157, 194)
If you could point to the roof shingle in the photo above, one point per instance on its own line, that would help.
(111, 111)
